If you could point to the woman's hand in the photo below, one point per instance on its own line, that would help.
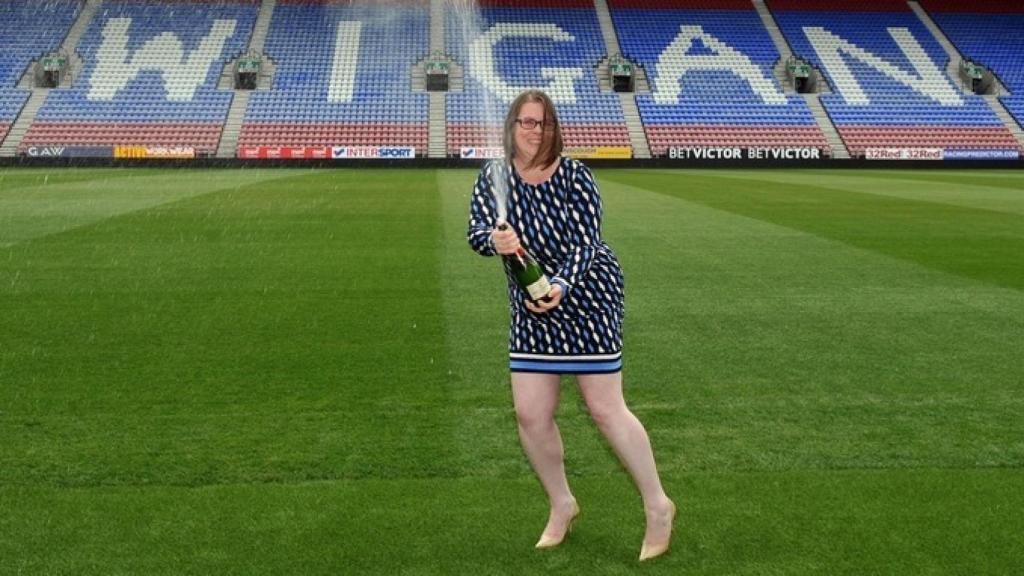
(541, 306)
(506, 241)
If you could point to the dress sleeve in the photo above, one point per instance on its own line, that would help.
(584, 213)
(483, 214)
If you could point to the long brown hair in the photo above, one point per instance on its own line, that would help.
(551, 144)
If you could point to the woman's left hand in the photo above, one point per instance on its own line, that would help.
(541, 306)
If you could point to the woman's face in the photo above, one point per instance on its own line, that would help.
(528, 141)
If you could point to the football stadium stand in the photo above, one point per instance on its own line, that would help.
(344, 76)
(346, 73)
(555, 45)
(887, 74)
(28, 30)
(710, 66)
(991, 33)
(150, 76)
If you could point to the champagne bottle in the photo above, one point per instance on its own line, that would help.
(528, 273)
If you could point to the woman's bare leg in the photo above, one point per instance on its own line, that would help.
(627, 436)
(536, 400)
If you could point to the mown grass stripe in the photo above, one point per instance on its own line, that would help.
(727, 317)
(797, 522)
(38, 205)
(476, 337)
(984, 191)
(982, 245)
(288, 294)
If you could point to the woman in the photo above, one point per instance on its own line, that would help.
(552, 209)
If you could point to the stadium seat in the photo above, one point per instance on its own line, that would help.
(315, 103)
(527, 38)
(28, 31)
(160, 88)
(716, 106)
(888, 77)
(989, 32)
(343, 72)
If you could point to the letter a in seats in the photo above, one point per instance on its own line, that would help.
(674, 63)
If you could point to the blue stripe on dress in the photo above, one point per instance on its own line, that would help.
(566, 367)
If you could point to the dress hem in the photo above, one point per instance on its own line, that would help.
(568, 364)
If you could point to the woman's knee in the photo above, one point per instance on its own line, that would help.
(535, 397)
(534, 417)
(603, 395)
(607, 414)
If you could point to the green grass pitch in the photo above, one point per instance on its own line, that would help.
(304, 372)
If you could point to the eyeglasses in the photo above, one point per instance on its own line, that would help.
(530, 124)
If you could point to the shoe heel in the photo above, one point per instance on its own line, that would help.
(550, 541)
(649, 552)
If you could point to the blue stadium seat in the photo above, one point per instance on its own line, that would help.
(165, 75)
(995, 40)
(28, 30)
(909, 102)
(314, 104)
(740, 104)
(521, 43)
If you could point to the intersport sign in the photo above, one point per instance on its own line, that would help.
(384, 152)
(326, 152)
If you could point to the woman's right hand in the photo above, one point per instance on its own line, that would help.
(505, 241)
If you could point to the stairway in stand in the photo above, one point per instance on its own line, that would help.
(228, 146)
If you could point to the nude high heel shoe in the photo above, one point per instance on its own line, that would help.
(648, 551)
(547, 541)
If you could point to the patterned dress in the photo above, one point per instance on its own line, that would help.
(559, 223)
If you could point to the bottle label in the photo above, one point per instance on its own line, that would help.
(539, 289)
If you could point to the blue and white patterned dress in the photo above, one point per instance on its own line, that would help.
(559, 223)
